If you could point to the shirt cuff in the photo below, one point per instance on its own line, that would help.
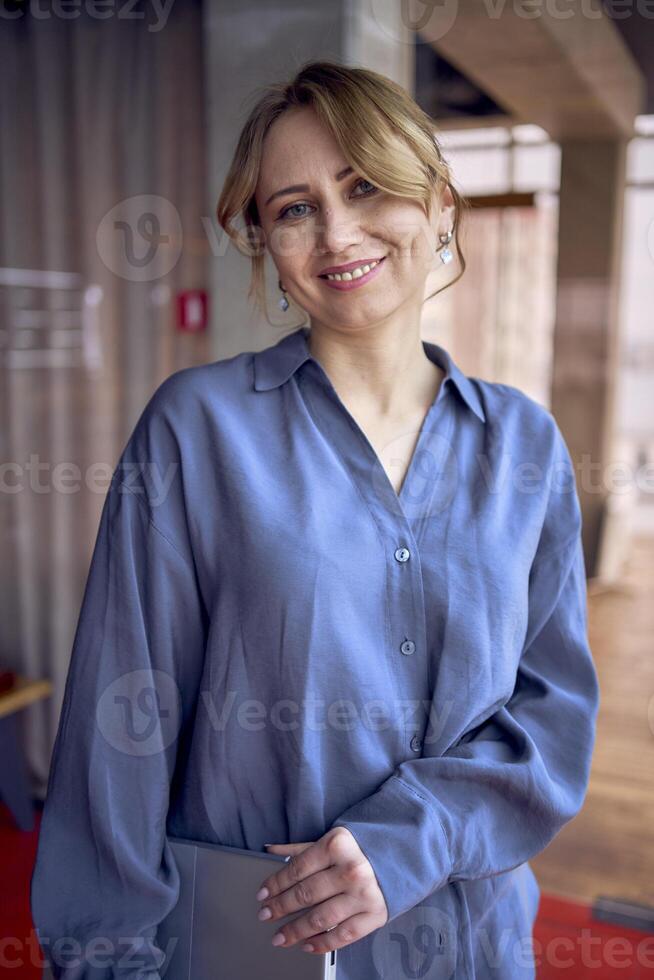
(405, 842)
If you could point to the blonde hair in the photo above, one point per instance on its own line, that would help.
(383, 134)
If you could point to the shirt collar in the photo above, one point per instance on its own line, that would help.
(274, 365)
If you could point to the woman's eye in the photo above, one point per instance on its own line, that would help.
(286, 213)
(364, 181)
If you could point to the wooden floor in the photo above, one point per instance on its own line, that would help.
(608, 849)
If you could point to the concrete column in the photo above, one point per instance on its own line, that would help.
(585, 357)
(249, 45)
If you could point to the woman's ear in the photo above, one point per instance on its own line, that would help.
(445, 220)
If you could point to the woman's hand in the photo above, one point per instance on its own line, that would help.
(334, 879)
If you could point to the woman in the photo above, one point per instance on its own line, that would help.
(337, 600)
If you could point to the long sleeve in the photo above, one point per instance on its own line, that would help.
(502, 792)
(104, 875)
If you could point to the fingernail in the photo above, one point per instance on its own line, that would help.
(262, 893)
(278, 939)
(308, 948)
(264, 913)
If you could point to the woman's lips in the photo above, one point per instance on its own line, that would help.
(346, 284)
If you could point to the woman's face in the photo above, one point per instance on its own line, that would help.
(340, 218)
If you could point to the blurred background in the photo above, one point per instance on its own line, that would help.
(117, 123)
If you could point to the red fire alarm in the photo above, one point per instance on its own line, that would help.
(192, 306)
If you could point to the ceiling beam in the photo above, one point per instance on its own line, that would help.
(564, 66)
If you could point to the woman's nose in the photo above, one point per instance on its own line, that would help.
(338, 230)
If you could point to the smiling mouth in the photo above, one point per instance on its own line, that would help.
(353, 274)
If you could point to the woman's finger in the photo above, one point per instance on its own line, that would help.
(288, 848)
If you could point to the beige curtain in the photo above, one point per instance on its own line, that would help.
(93, 113)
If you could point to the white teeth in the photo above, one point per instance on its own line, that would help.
(353, 274)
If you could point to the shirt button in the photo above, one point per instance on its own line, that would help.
(407, 647)
(416, 743)
(402, 554)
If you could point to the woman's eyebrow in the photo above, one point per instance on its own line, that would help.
(305, 187)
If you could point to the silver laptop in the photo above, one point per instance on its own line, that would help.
(213, 932)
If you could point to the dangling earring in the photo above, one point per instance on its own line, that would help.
(283, 302)
(446, 253)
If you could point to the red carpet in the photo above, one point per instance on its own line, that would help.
(20, 953)
(567, 942)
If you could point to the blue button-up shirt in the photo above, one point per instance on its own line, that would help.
(273, 642)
